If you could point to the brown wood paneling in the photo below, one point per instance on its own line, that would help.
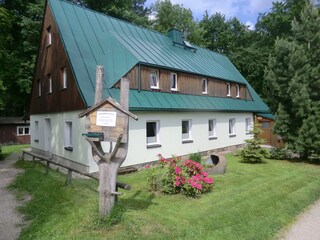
(8, 135)
(51, 60)
(187, 83)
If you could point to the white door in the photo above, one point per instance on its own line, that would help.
(47, 136)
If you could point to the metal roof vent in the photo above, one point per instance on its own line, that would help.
(177, 39)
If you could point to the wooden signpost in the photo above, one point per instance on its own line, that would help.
(108, 121)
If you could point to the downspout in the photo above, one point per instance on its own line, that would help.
(139, 77)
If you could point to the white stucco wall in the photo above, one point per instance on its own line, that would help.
(169, 133)
(81, 151)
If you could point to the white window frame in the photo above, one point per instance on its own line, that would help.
(237, 91)
(204, 86)
(39, 88)
(153, 141)
(64, 77)
(49, 40)
(248, 125)
(213, 132)
(49, 83)
(232, 127)
(173, 81)
(36, 131)
(154, 74)
(228, 89)
(68, 135)
(186, 136)
(23, 130)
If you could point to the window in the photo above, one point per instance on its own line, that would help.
(39, 88)
(248, 125)
(21, 131)
(237, 90)
(36, 131)
(204, 86)
(49, 83)
(228, 90)
(212, 128)
(265, 125)
(64, 77)
(154, 80)
(232, 127)
(152, 132)
(49, 40)
(68, 136)
(186, 131)
(173, 82)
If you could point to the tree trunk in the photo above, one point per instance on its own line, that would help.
(107, 186)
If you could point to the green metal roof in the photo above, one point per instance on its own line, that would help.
(159, 101)
(91, 38)
(267, 115)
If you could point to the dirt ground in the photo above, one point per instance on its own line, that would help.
(11, 221)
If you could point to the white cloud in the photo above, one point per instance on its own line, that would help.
(250, 25)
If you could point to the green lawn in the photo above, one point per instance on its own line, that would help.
(251, 201)
(7, 150)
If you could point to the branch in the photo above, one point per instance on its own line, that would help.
(95, 149)
(116, 147)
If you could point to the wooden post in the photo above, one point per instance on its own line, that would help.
(69, 177)
(47, 168)
(109, 163)
(99, 84)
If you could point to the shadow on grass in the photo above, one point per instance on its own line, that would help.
(138, 201)
(254, 163)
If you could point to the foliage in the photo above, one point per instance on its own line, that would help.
(279, 153)
(186, 177)
(293, 75)
(168, 16)
(63, 212)
(129, 10)
(253, 152)
(152, 178)
(19, 37)
(196, 157)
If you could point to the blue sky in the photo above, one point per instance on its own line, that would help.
(246, 11)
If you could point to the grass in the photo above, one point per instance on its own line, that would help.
(8, 149)
(251, 201)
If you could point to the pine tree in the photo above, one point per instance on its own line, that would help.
(253, 152)
(294, 75)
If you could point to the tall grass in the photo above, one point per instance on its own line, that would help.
(248, 202)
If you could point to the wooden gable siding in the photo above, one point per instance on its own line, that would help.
(187, 83)
(51, 60)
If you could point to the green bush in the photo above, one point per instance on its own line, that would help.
(279, 153)
(196, 157)
(253, 152)
(186, 177)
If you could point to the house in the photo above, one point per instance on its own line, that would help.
(187, 98)
(14, 130)
(266, 123)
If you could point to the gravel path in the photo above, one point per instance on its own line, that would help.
(307, 227)
(10, 220)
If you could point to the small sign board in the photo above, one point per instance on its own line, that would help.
(106, 118)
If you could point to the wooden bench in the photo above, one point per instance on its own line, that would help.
(49, 161)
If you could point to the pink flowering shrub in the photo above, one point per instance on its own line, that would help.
(186, 177)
